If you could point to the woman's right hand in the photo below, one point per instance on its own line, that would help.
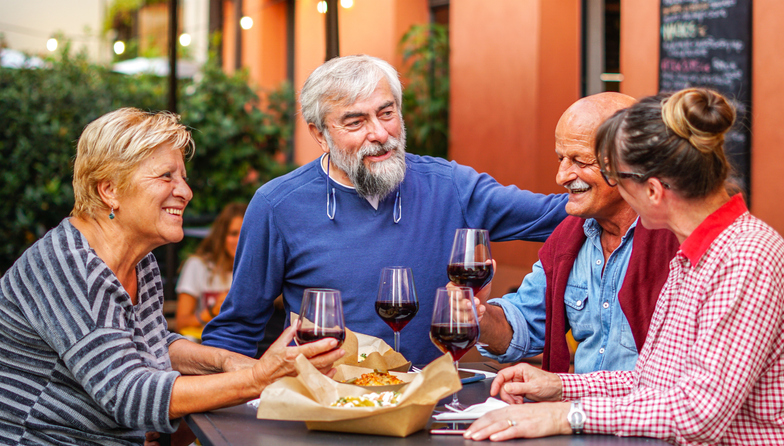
(279, 360)
(525, 381)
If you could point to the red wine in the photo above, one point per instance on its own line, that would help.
(312, 334)
(456, 339)
(397, 315)
(474, 275)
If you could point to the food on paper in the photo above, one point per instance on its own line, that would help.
(383, 399)
(309, 397)
(375, 378)
(362, 357)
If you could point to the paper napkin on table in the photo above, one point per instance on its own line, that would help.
(479, 372)
(472, 412)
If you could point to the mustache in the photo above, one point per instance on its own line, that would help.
(577, 184)
(376, 149)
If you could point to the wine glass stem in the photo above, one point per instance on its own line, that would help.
(455, 402)
(397, 341)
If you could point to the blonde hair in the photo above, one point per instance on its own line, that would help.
(111, 148)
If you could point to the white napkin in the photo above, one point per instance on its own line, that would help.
(472, 412)
(479, 372)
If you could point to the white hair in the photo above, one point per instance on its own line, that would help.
(345, 80)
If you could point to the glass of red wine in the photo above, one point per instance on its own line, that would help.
(396, 302)
(454, 328)
(320, 316)
(470, 263)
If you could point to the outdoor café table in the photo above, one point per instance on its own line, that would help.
(238, 426)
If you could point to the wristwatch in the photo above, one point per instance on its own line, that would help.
(576, 417)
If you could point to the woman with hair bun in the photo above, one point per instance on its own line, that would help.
(712, 367)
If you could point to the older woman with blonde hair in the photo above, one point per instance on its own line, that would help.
(87, 357)
(712, 367)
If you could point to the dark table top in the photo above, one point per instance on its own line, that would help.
(238, 426)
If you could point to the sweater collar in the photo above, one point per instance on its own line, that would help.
(698, 241)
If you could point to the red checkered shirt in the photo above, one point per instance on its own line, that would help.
(711, 370)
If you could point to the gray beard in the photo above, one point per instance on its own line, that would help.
(381, 178)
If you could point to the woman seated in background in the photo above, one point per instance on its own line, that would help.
(87, 358)
(206, 275)
(712, 367)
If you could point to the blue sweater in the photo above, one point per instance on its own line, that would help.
(288, 243)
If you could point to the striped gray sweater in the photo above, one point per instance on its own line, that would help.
(79, 364)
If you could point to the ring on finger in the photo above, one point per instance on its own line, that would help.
(512, 423)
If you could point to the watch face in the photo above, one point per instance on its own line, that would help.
(576, 417)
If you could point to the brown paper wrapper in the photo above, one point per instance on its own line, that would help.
(308, 397)
(380, 356)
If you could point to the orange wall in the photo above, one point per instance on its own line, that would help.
(154, 29)
(767, 133)
(640, 47)
(514, 69)
(229, 42)
(639, 65)
(264, 45)
(369, 27)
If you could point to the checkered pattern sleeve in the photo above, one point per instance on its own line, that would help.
(711, 371)
(601, 384)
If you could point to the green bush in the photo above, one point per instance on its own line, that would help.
(425, 50)
(43, 112)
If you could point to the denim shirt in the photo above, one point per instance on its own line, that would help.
(592, 308)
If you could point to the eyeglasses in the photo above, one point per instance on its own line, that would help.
(611, 180)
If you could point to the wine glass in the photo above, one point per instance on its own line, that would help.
(320, 316)
(454, 328)
(396, 302)
(470, 263)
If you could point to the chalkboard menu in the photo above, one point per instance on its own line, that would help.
(707, 43)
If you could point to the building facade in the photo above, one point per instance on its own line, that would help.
(515, 65)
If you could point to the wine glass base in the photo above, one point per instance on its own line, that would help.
(456, 407)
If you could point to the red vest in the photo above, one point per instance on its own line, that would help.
(645, 276)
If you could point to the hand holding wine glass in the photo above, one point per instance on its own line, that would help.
(396, 302)
(454, 328)
(320, 316)
(470, 263)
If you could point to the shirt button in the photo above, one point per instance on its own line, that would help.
(606, 305)
(601, 350)
(578, 303)
(598, 262)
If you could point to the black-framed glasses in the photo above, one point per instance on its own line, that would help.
(611, 181)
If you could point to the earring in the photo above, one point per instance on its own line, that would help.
(111, 214)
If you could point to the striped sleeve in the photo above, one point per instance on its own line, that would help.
(115, 351)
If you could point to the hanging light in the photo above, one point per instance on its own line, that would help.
(51, 44)
(346, 3)
(322, 7)
(246, 22)
(185, 39)
(119, 47)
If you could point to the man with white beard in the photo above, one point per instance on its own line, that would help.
(363, 205)
(599, 274)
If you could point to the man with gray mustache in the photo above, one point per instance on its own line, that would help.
(363, 205)
(599, 274)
